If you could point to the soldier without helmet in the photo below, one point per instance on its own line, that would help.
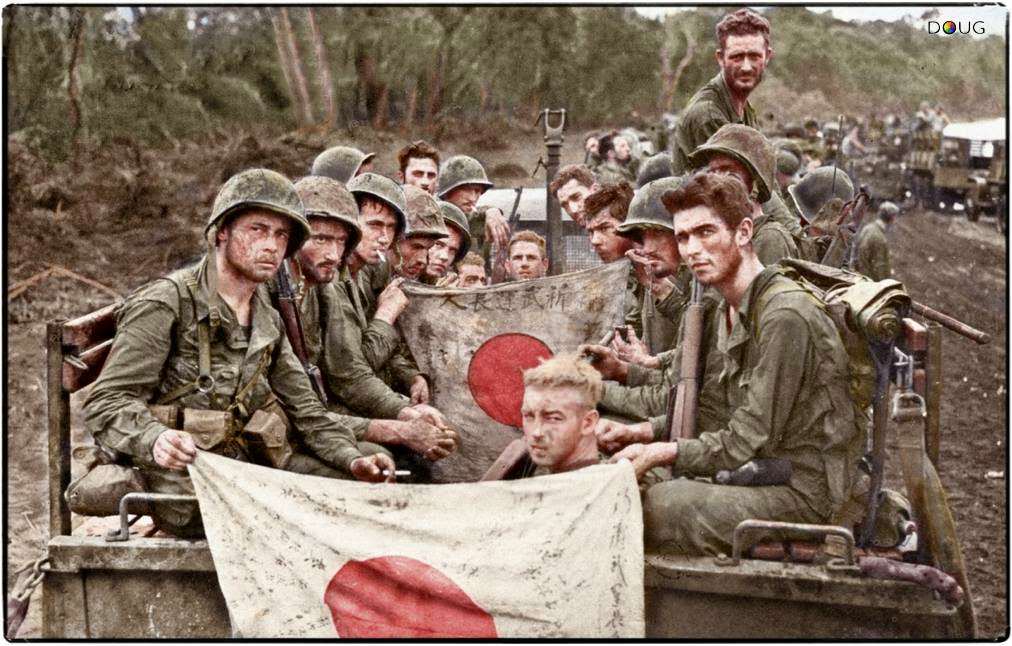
(614, 167)
(871, 248)
(419, 166)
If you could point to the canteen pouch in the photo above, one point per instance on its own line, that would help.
(209, 428)
(266, 435)
(98, 492)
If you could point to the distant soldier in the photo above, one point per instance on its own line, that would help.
(447, 252)
(613, 169)
(788, 166)
(425, 227)
(819, 197)
(871, 256)
(743, 52)
(528, 258)
(462, 180)
(419, 166)
(471, 272)
(342, 163)
(591, 159)
(199, 352)
(571, 186)
(653, 168)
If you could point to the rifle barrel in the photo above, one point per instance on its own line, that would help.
(972, 333)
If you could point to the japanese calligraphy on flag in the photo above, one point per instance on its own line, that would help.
(474, 344)
(303, 556)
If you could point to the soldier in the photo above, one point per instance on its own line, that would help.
(471, 272)
(871, 256)
(788, 166)
(204, 344)
(425, 227)
(656, 167)
(745, 153)
(591, 159)
(527, 256)
(817, 188)
(419, 166)
(786, 378)
(462, 181)
(448, 251)
(325, 307)
(571, 186)
(606, 210)
(743, 52)
(559, 414)
(612, 169)
(342, 163)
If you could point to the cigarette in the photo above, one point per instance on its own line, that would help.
(400, 473)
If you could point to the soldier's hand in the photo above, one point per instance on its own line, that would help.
(431, 415)
(391, 302)
(449, 280)
(647, 456)
(612, 436)
(661, 288)
(634, 350)
(497, 228)
(643, 267)
(605, 361)
(419, 390)
(370, 468)
(174, 450)
(428, 440)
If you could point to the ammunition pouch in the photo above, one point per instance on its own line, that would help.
(266, 436)
(98, 491)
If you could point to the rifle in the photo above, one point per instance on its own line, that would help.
(286, 304)
(502, 253)
(683, 399)
(841, 250)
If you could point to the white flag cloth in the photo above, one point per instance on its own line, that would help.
(304, 556)
(474, 343)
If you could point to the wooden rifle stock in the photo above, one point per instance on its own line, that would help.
(683, 402)
(292, 319)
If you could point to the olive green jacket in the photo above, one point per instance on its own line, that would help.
(772, 242)
(708, 110)
(872, 258)
(610, 172)
(785, 375)
(155, 352)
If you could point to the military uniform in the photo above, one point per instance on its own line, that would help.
(785, 374)
(708, 110)
(611, 172)
(872, 257)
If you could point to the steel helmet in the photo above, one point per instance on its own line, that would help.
(264, 189)
(340, 163)
(653, 168)
(748, 146)
(817, 187)
(324, 197)
(646, 209)
(455, 218)
(383, 189)
(458, 171)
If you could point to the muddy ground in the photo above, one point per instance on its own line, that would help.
(125, 214)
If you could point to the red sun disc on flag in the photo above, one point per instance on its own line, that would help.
(495, 375)
(398, 596)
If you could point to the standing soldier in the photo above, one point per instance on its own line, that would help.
(743, 52)
(204, 346)
(871, 256)
(462, 180)
(342, 163)
(419, 166)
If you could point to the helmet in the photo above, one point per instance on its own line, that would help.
(265, 189)
(424, 216)
(787, 163)
(818, 187)
(889, 209)
(324, 197)
(654, 167)
(384, 189)
(748, 146)
(455, 218)
(340, 163)
(459, 170)
(790, 145)
(646, 209)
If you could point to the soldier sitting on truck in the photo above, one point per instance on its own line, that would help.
(200, 353)
(571, 187)
(785, 378)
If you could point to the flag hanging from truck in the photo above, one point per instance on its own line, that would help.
(302, 556)
(474, 344)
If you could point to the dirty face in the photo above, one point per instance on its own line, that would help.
(421, 172)
(254, 243)
(590, 145)
(471, 276)
(525, 261)
(726, 165)
(414, 253)
(379, 227)
(710, 248)
(571, 197)
(607, 243)
(320, 256)
(743, 60)
(465, 197)
(659, 246)
(557, 423)
(442, 253)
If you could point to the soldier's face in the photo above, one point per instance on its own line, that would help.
(414, 253)
(557, 422)
(442, 253)
(730, 166)
(321, 254)
(255, 243)
(710, 248)
(465, 197)
(470, 276)
(591, 145)
(525, 261)
(660, 248)
(607, 243)
(743, 61)
(421, 172)
(622, 149)
(379, 227)
(571, 197)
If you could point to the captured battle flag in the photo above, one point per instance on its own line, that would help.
(474, 345)
(303, 556)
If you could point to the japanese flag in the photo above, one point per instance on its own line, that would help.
(303, 556)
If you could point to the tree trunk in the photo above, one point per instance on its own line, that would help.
(298, 75)
(671, 82)
(10, 15)
(286, 66)
(412, 105)
(76, 40)
(324, 79)
(379, 117)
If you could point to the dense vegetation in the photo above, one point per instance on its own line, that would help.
(163, 74)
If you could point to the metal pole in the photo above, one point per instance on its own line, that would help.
(58, 432)
(933, 399)
(553, 143)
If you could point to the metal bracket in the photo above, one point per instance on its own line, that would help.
(553, 134)
(803, 529)
(123, 533)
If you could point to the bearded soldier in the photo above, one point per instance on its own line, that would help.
(205, 347)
